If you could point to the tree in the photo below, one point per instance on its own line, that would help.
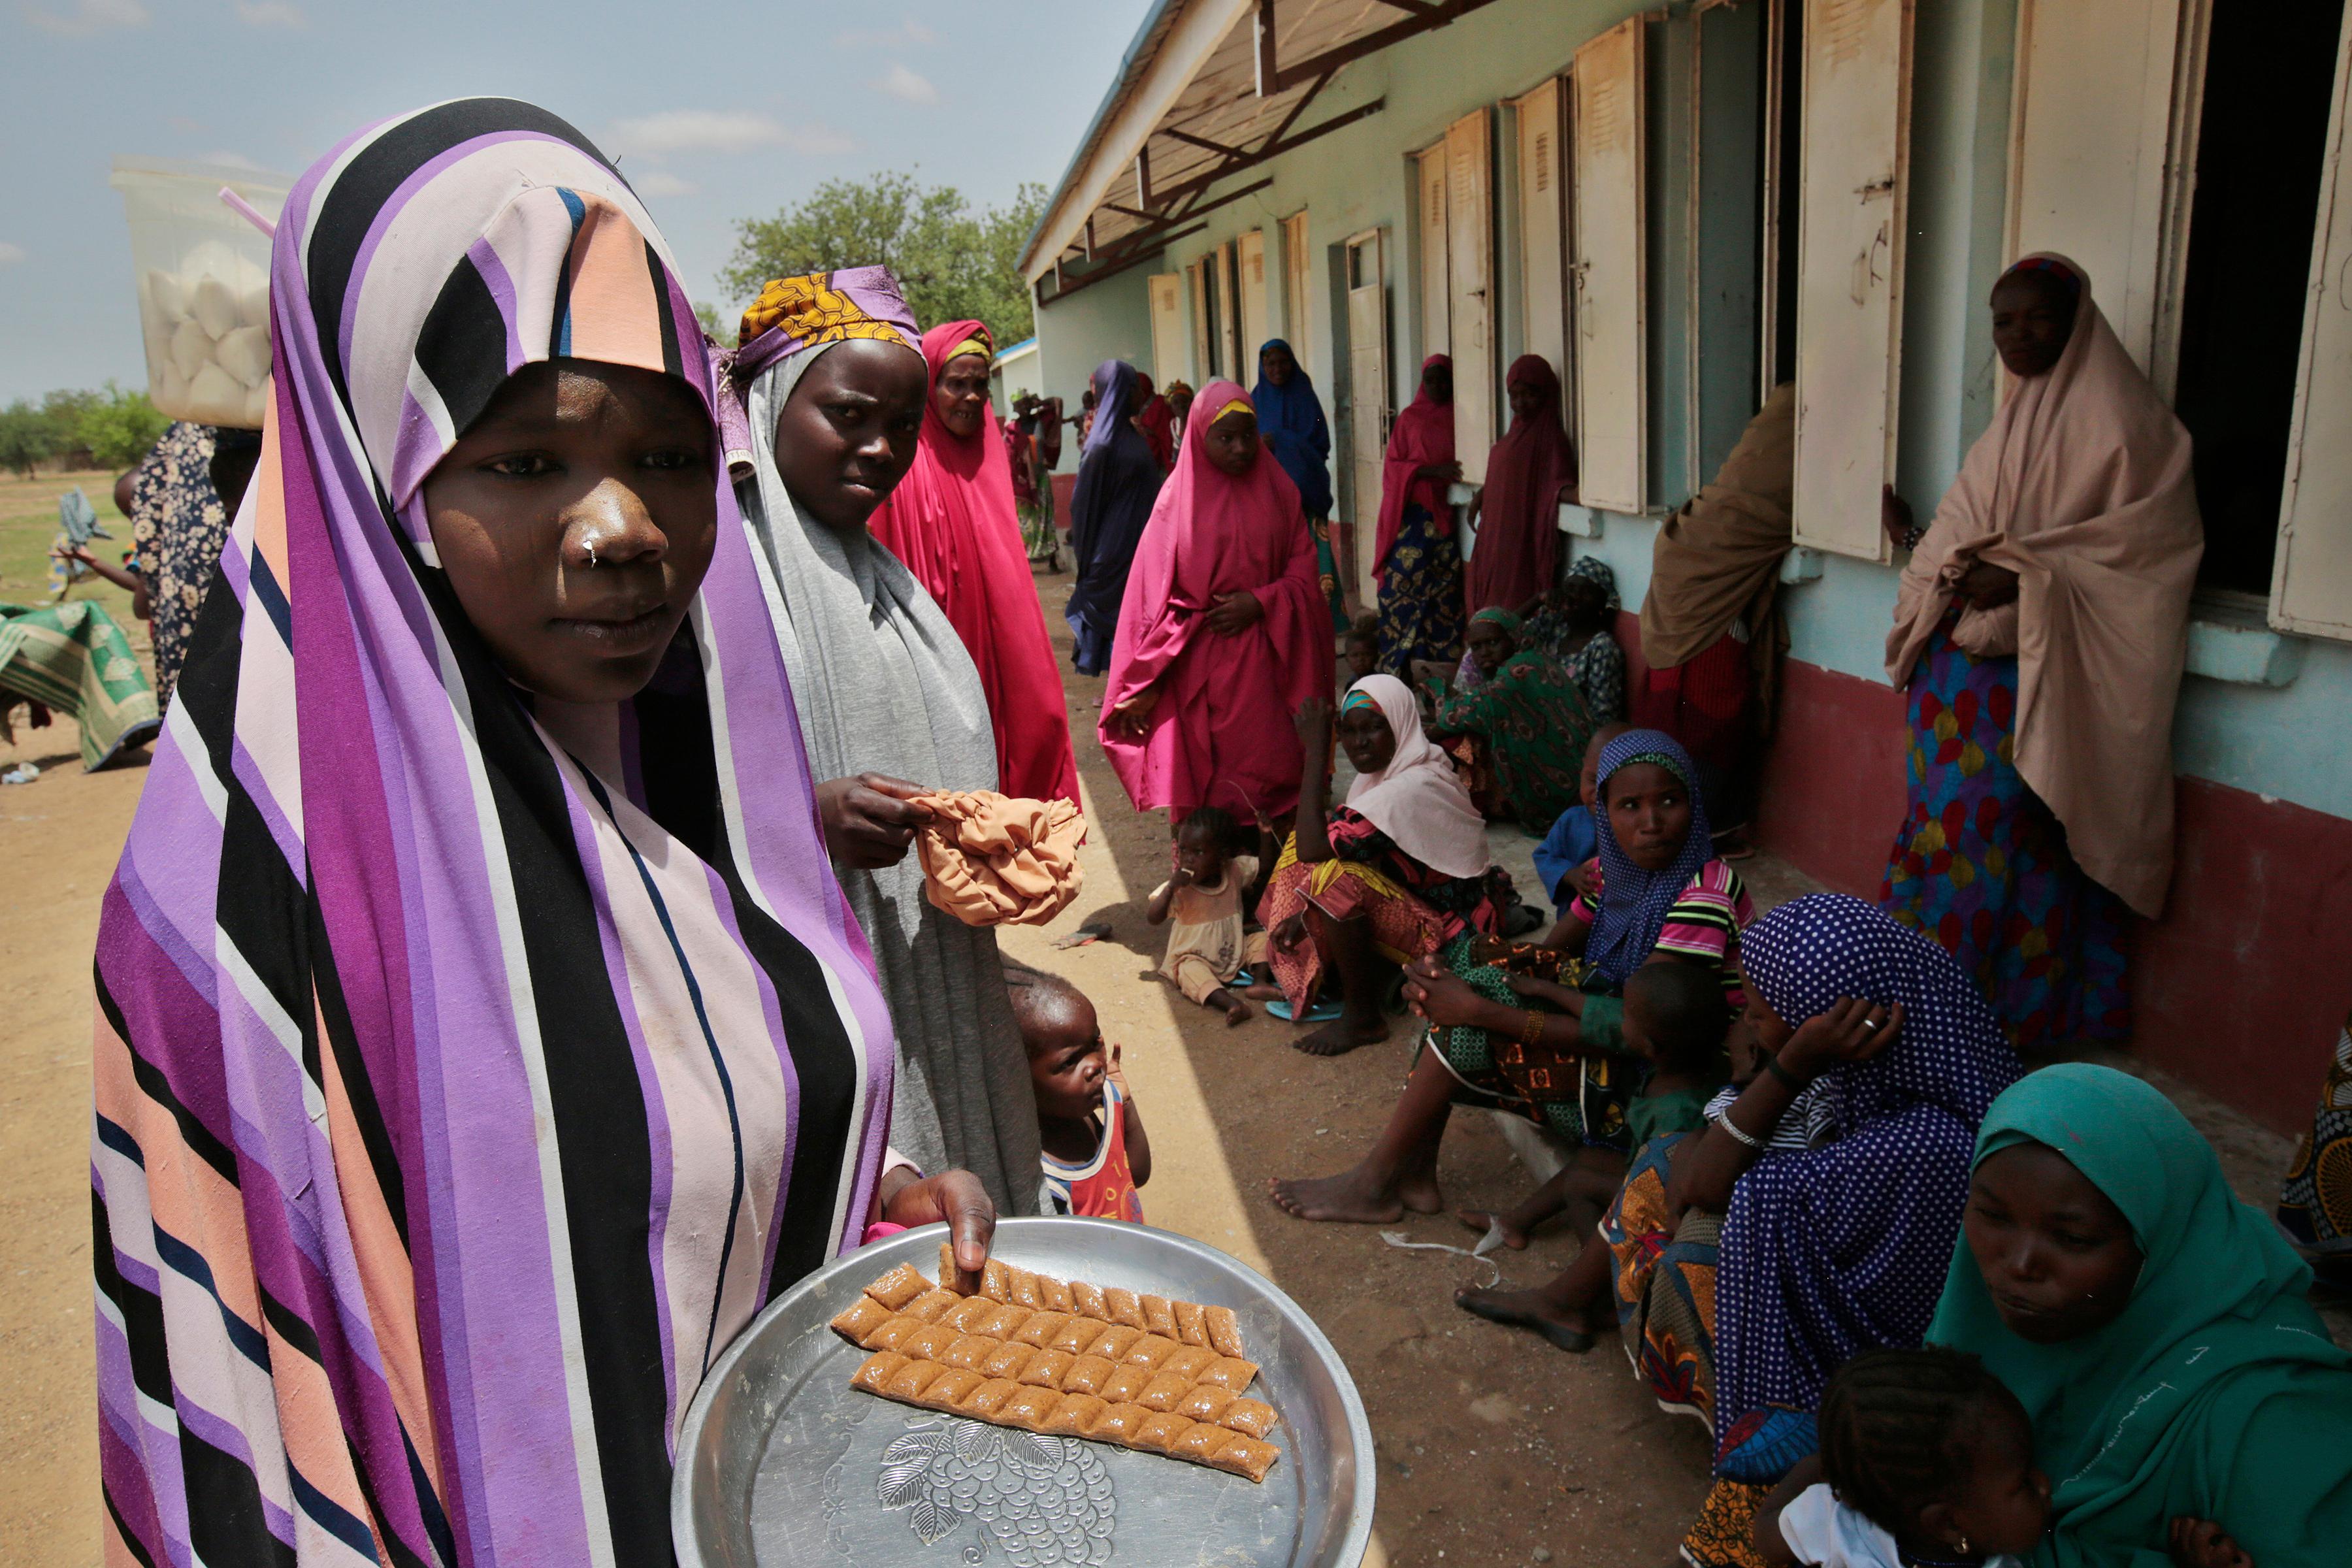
(952, 262)
(26, 437)
(120, 427)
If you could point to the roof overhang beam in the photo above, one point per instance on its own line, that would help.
(1422, 16)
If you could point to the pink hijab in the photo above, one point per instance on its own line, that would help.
(1423, 433)
(1220, 731)
(1418, 800)
(2082, 486)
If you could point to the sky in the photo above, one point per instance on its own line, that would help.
(719, 110)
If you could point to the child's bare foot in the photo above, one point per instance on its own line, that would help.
(1236, 1011)
(1356, 1196)
(1262, 993)
(1481, 1221)
(1339, 1036)
(1570, 1330)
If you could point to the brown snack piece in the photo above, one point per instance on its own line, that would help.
(1252, 1416)
(1003, 1323)
(948, 1270)
(1041, 1328)
(1009, 1361)
(1124, 1308)
(1086, 1374)
(1159, 1435)
(1245, 1455)
(877, 1371)
(1190, 1327)
(1076, 1416)
(983, 1403)
(1118, 1424)
(1164, 1392)
(1028, 1408)
(909, 1381)
(1207, 1402)
(1021, 1289)
(1188, 1362)
(931, 1306)
(1224, 1332)
(1046, 1369)
(1079, 1335)
(968, 1350)
(1158, 1316)
(1199, 1441)
(863, 1318)
(1124, 1383)
(887, 1337)
(996, 1281)
(1116, 1341)
(1151, 1351)
(947, 1390)
(1231, 1372)
(1054, 1295)
(927, 1341)
(969, 1312)
(1087, 1300)
(899, 1287)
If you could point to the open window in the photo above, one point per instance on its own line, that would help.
(1606, 240)
(1470, 286)
(1249, 263)
(1295, 311)
(1168, 358)
(1537, 119)
(1429, 171)
(1196, 284)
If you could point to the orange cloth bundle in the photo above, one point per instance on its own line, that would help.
(990, 860)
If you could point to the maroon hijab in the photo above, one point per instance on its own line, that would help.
(1518, 550)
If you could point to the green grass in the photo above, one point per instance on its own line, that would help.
(28, 526)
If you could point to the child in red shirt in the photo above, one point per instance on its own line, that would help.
(1096, 1153)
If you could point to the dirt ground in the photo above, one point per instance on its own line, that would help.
(1492, 1448)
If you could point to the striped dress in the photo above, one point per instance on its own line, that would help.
(468, 1070)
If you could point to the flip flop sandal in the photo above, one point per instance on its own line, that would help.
(1321, 1013)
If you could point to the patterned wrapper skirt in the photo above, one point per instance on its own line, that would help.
(1421, 595)
(1579, 1098)
(1664, 1284)
(1981, 865)
(2316, 1201)
(1402, 928)
(1326, 572)
(74, 658)
(1037, 531)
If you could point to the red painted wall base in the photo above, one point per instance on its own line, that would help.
(2239, 989)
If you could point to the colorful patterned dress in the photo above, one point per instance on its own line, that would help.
(1413, 909)
(2316, 1201)
(1981, 865)
(1420, 595)
(1531, 725)
(73, 657)
(178, 523)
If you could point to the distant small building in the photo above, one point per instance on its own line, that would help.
(1016, 369)
(1680, 206)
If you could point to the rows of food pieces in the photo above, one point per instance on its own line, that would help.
(1187, 1322)
(1211, 1426)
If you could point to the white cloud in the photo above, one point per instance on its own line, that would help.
(903, 84)
(83, 17)
(720, 130)
(10, 254)
(905, 33)
(662, 183)
(270, 13)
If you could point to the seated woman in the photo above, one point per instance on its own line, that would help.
(1395, 874)
(1524, 726)
(1840, 1172)
(1573, 625)
(2182, 1391)
(1663, 900)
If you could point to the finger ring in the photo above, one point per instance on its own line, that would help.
(1870, 1023)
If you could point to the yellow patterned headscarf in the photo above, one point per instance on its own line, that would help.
(829, 306)
(972, 345)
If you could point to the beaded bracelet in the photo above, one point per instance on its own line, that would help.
(1738, 1135)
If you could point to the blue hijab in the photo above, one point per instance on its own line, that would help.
(1114, 384)
(1633, 902)
(1290, 418)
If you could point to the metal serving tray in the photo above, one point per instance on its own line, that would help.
(781, 1464)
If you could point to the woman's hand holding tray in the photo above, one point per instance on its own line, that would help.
(1070, 1358)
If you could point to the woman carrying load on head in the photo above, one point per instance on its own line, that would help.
(481, 1042)
(1119, 483)
(952, 522)
(2040, 631)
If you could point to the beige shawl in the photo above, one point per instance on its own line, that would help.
(1716, 562)
(2082, 486)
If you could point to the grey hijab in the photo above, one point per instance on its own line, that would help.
(883, 684)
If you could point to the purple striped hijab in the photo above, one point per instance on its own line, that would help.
(466, 1073)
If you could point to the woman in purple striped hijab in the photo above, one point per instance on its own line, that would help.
(482, 1036)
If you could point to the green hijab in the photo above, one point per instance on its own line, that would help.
(2217, 1394)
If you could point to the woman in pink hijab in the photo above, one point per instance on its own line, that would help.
(1223, 635)
(2040, 631)
(952, 521)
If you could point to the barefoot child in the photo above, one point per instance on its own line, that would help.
(1096, 1153)
(1926, 1457)
(1206, 945)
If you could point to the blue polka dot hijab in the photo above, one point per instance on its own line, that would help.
(1633, 902)
(1842, 1246)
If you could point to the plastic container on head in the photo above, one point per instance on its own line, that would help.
(204, 286)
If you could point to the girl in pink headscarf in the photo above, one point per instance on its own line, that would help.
(1223, 635)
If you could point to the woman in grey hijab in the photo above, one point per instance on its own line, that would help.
(890, 704)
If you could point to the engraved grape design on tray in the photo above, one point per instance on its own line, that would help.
(1047, 1501)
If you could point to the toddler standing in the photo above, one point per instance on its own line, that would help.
(1096, 1153)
